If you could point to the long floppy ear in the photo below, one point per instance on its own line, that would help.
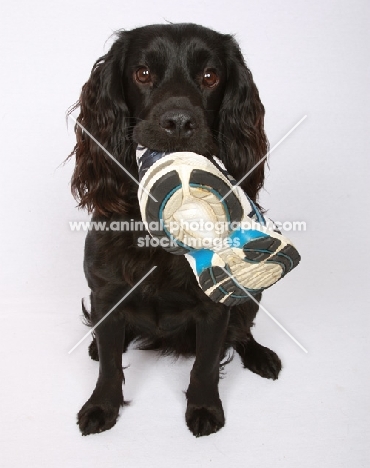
(98, 183)
(242, 140)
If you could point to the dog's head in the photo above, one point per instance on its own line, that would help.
(175, 82)
(176, 87)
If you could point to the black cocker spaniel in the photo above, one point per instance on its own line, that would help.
(199, 78)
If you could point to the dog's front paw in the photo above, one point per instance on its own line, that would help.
(93, 417)
(204, 420)
(261, 360)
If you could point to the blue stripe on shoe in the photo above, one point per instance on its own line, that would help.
(203, 259)
(246, 235)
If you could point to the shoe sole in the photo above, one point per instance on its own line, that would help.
(186, 184)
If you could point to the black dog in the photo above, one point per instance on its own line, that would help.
(169, 87)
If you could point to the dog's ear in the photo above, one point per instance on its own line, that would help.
(242, 140)
(98, 183)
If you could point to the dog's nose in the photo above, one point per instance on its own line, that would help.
(178, 123)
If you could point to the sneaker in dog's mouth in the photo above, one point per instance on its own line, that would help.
(206, 216)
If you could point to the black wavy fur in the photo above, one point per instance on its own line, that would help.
(170, 87)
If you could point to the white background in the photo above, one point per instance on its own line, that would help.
(307, 58)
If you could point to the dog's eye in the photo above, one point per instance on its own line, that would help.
(143, 75)
(210, 78)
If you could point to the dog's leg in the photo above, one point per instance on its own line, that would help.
(258, 358)
(100, 412)
(204, 413)
(93, 347)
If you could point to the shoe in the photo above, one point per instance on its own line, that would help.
(193, 207)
